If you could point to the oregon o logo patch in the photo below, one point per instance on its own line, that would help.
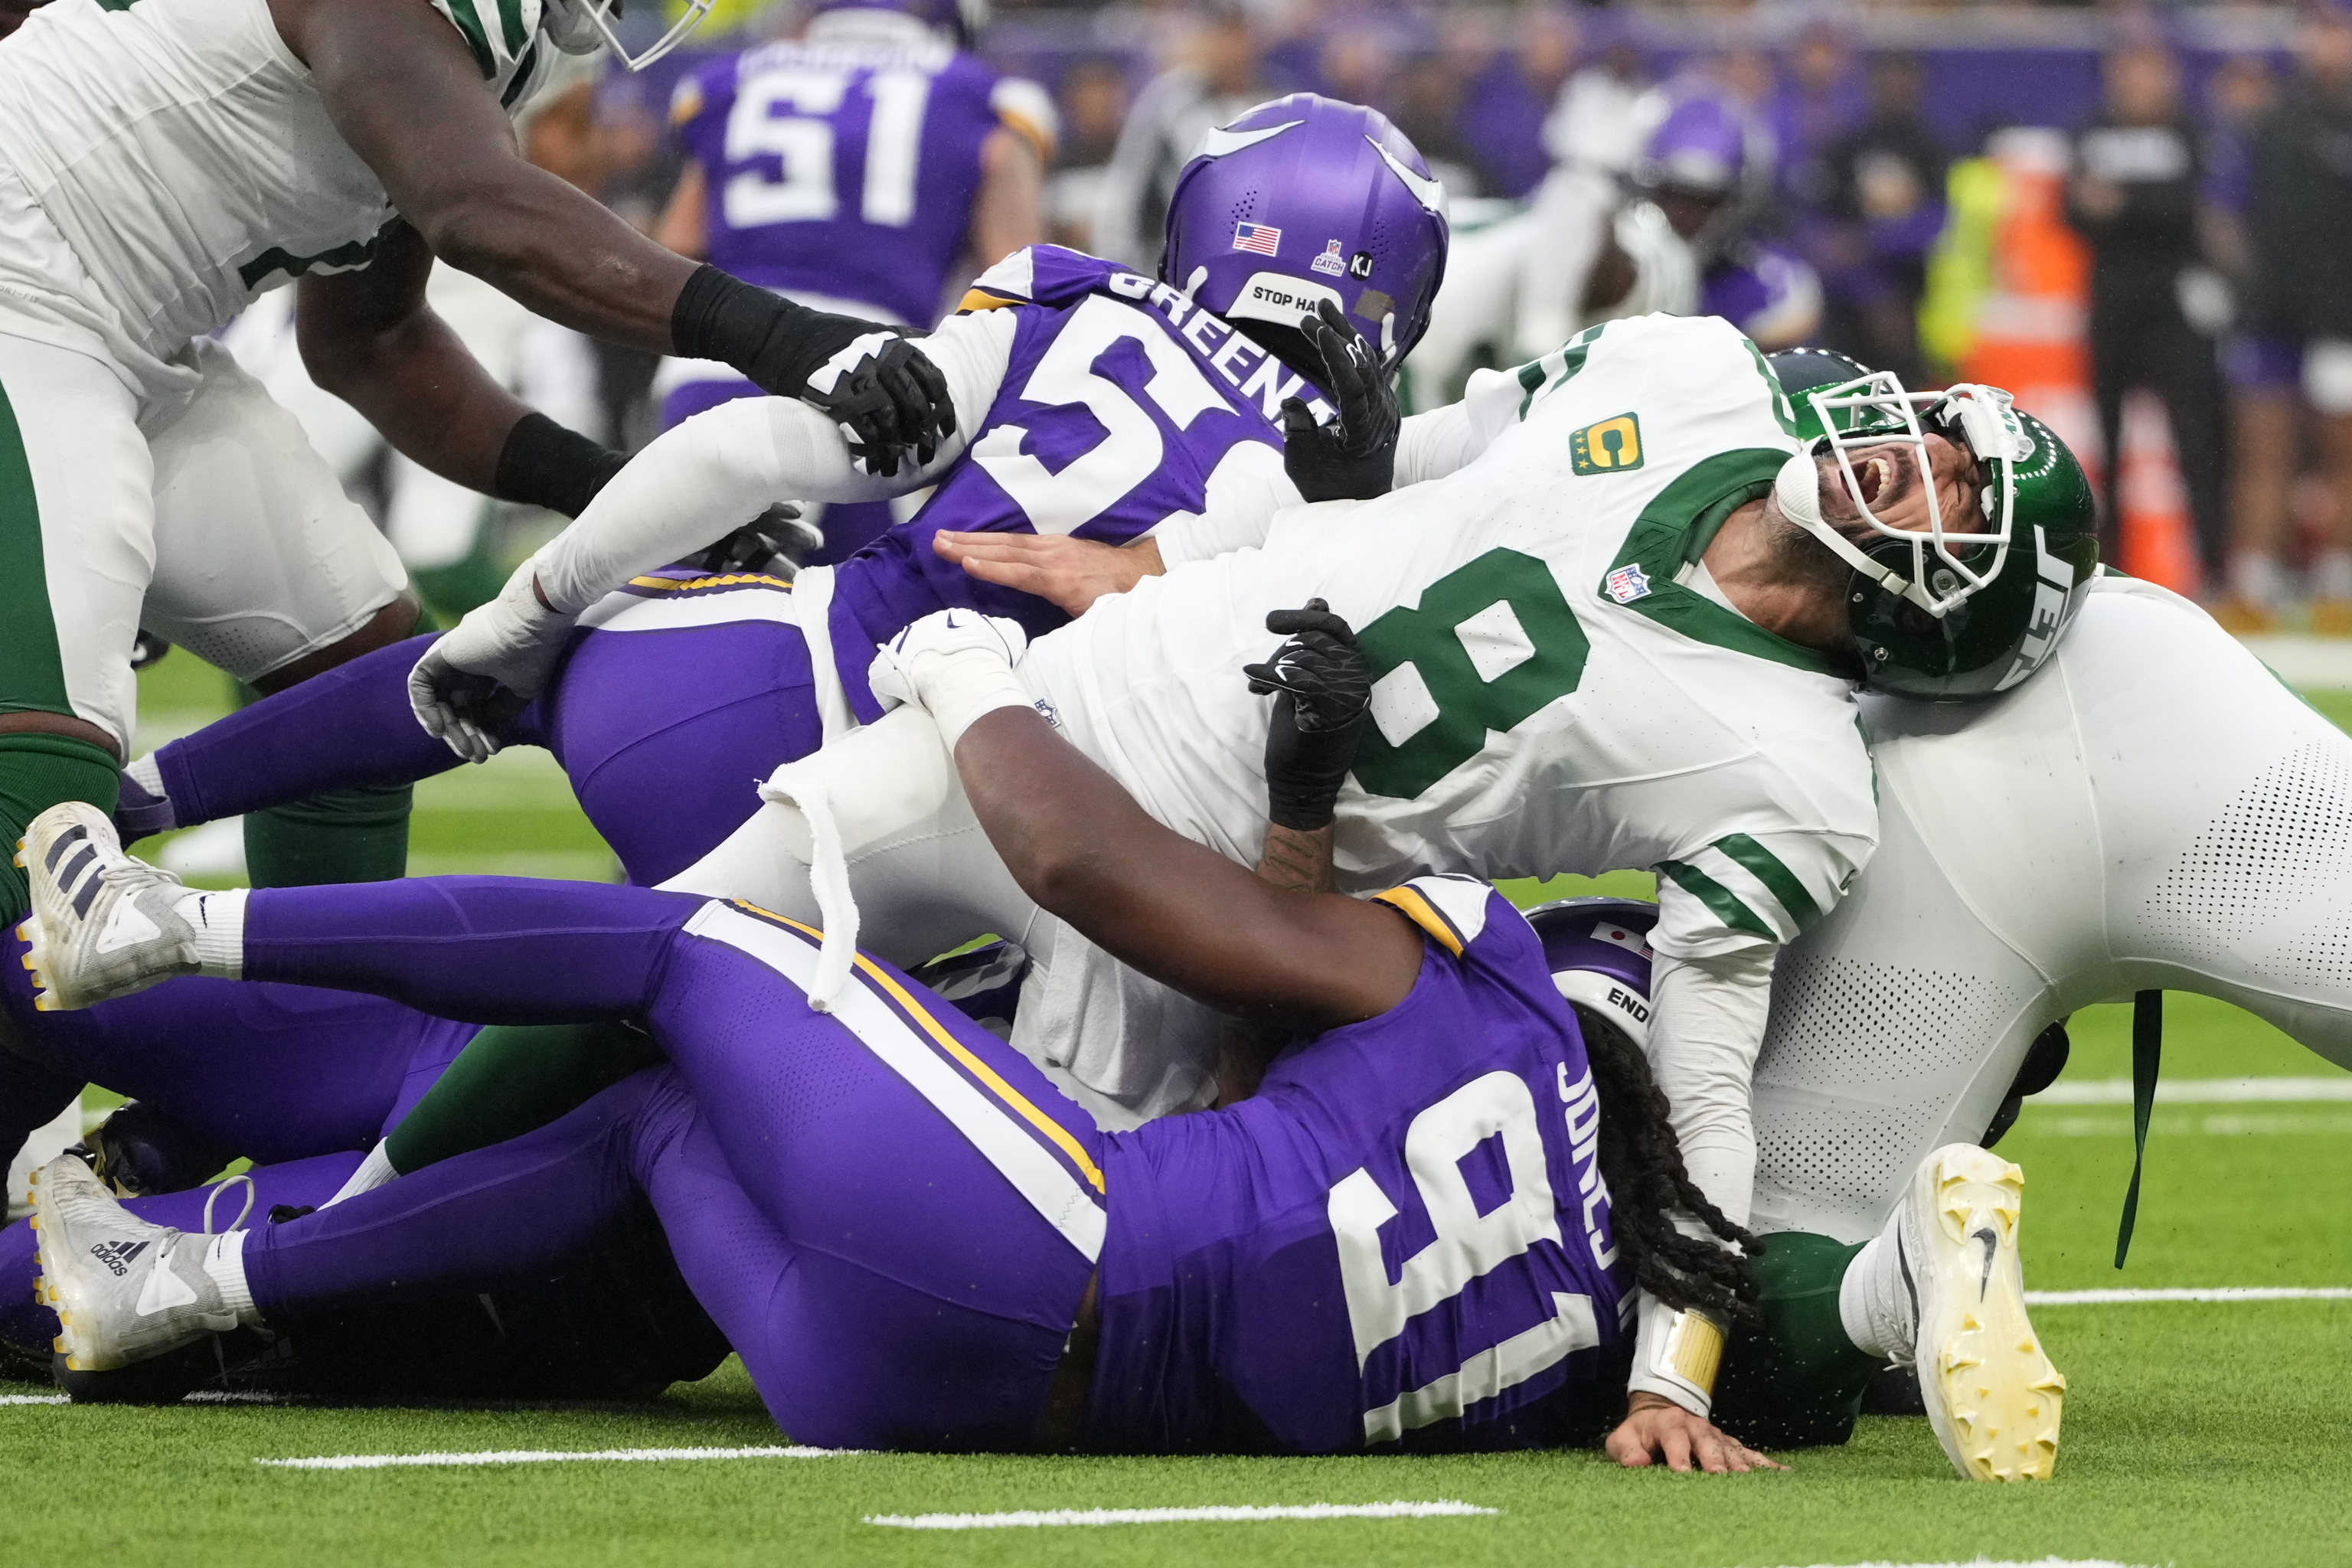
(1612, 446)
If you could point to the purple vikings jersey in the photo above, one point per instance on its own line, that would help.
(845, 169)
(1120, 403)
(1402, 1235)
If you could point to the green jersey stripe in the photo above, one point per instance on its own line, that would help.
(510, 23)
(470, 23)
(1769, 869)
(1782, 409)
(1563, 362)
(1717, 898)
(32, 669)
(1676, 529)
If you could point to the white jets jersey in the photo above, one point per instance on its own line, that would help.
(2153, 810)
(188, 163)
(1553, 692)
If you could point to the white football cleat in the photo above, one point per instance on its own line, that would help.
(104, 924)
(1991, 1395)
(124, 1290)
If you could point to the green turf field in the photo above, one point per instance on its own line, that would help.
(2197, 1433)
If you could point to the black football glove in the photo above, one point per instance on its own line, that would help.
(1354, 457)
(776, 541)
(1322, 687)
(884, 391)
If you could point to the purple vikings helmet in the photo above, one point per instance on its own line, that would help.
(960, 20)
(1710, 153)
(1306, 199)
(1599, 953)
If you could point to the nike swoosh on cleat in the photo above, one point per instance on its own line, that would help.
(1993, 1245)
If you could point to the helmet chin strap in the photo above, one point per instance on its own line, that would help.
(1798, 490)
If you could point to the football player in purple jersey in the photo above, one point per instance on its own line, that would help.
(1009, 1275)
(1708, 169)
(1101, 409)
(858, 168)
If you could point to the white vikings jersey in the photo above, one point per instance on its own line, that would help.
(1557, 691)
(2153, 810)
(187, 161)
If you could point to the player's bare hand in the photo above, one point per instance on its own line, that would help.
(1068, 574)
(1657, 1430)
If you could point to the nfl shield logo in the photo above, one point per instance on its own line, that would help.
(1628, 584)
(1329, 262)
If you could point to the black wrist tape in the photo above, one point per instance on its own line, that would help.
(718, 316)
(544, 464)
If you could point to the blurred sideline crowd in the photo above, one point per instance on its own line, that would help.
(2155, 246)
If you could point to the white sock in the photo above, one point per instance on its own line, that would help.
(225, 1265)
(1874, 1306)
(218, 920)
(373, 1172)
(149, 775)
(2255, 578)
(2331, 575)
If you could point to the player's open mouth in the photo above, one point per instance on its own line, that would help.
(1874, 477)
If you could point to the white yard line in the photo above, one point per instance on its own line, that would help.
(2174, 1124)
(1035, 1519)
(2194, 1294)
(546, 1456)
(33, 1399)
(2198, 1091)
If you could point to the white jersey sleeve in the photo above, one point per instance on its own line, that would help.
(1433, 445)
(724, 467)
(501, 33)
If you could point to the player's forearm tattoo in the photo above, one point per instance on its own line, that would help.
(1299, 860)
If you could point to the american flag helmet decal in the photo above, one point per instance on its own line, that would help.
(1261, 237)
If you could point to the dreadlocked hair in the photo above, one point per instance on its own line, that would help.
(1642, 1161)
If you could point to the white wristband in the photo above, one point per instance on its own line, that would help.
(1677, 1355)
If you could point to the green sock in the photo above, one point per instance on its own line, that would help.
(1795, 1381)
(510, 1078)
(38, 772)
(336, 835)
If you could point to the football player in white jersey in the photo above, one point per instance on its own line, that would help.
(1609, 636)
(162, 162)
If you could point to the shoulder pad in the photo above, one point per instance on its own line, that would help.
(1039, 275)
(1452, 911)
(1027, 110)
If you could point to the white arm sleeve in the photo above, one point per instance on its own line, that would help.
(1706, 1028)
(720, 469)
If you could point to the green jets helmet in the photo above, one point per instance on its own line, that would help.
(1968, 606)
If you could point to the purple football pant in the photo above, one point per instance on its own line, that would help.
(847, 526)
(273, 1072)
(859, 1199)
(664, 734)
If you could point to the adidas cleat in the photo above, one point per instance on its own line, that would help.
(125, 1291)
(1991, 1395)
(104, 923)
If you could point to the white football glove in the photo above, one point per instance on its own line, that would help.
(511, 642)
(955, 665)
